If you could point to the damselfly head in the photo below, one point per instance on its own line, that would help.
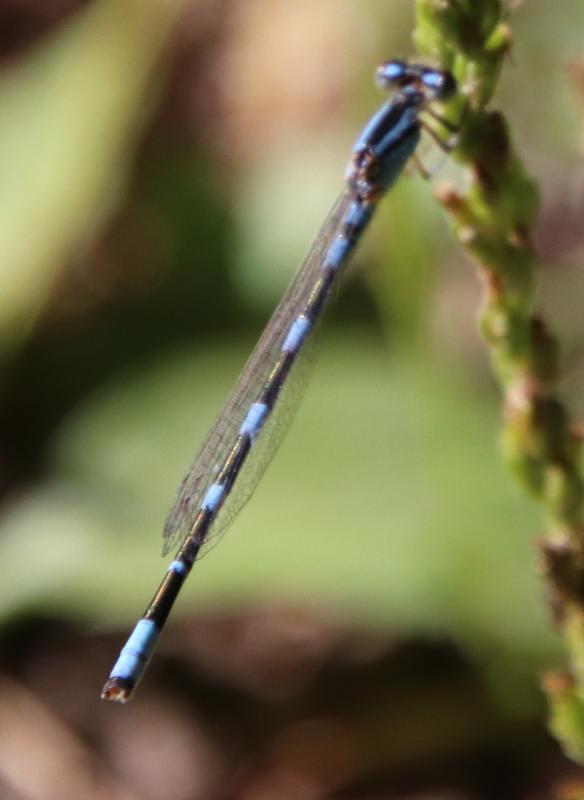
(435, 84)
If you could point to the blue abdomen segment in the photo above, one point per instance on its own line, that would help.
(297, 332)
(254, 420)
(136, 652)
(213, 497)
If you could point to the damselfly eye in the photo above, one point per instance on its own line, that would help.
(440, 83)
(393, 73)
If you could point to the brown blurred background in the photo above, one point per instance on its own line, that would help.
(373, 625)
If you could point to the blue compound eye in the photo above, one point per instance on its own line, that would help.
(439, 83)
(392, 73)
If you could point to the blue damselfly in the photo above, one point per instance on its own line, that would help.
(240, 444)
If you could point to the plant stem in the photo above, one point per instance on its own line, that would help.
(492, 221)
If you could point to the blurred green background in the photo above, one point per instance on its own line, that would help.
(163, 167)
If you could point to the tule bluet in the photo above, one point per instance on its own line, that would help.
(255, 416)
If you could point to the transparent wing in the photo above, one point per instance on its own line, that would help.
(224, 432)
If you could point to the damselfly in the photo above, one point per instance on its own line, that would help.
(238, 447)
